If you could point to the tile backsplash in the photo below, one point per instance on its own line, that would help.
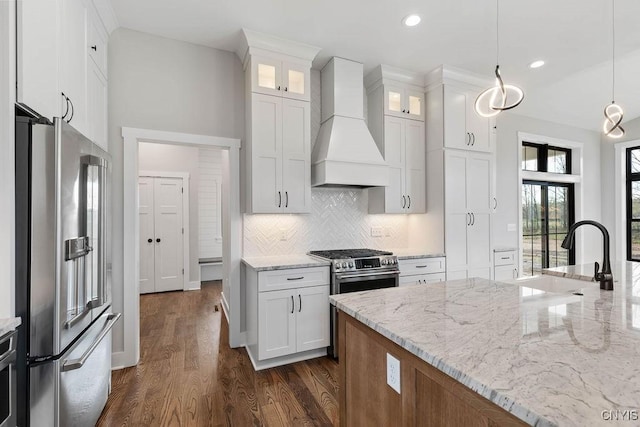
(338, 220)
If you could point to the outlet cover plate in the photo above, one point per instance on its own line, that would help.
(393, 373)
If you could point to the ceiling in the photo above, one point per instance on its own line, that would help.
(572, 36)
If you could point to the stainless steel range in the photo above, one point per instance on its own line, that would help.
(355, 270)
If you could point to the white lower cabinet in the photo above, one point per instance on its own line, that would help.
(287, 315)
(505, 266)
(421, 271)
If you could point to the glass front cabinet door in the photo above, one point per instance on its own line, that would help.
(280, 78)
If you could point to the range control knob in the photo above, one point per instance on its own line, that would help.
(350, 265)
(384, 261)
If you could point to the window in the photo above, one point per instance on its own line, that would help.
(547, 214)
(633, 204)
(545, 158)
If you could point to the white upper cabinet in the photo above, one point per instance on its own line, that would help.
(399, 133)
(463, 127)
(403, 102)
(281, 157)
(273, 76)
(62, 63)
(278, 147)
(73, 63)
(37, 56)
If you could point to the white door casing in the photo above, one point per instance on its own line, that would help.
(147, 232)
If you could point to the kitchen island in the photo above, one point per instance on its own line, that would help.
(478, 352)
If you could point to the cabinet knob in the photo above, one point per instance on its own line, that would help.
(95, 48)
(286, 89)
(404, 111)
(158, 240)
(149, 240)
(408, 112)
(278, 87)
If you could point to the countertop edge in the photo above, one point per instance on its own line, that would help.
(420, 256)
(505, 402)
(284, 266)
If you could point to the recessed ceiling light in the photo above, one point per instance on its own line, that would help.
(411, 20)
(536, 64)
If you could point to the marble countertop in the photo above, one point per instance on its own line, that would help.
(621, 271)
(549, 358)
(9, 324)
(414, 253)
(282, 262)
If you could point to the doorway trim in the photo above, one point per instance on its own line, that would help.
(186, 262)
(231, 240)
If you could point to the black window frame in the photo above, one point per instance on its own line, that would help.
(630, 178)
(543, 156)
(545, 208)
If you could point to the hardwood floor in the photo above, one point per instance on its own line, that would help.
(189, 376)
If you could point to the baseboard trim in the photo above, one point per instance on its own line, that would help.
(119, 361)
(225, 307)
(193, 286)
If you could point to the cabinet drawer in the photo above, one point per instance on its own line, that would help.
(421, 266)
(421, 279)
(292, 278)
(504, 258)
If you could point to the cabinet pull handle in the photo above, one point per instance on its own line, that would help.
(421, 266)
(286, 89)
(66, 101)
(295, 278)
(408, 112)
(473, 218)
(73, 110)
(286, 198)
(495, 203)
(404, 111)
(95, 48)
(404, 202)
(300, 305)
(468, 218)
(292, 304)
(409, 206)
(279, 89)
(279, 199)
(505, 257)
(468, 139)
(473, 135)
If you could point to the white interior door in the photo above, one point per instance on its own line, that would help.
(147, 235)
(169, 260)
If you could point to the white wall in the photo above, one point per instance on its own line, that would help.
(7, 100)
(157, 83)
(209, 205)
(609, 170)
(175, 158)
(507, 166)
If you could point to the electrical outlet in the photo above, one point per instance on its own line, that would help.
(393, 373)
(283, 234)
(377, 231)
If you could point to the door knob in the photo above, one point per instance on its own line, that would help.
(158, 240)
(149, 240)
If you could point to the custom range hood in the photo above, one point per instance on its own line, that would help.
(345, 154)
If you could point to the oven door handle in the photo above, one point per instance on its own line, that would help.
(380, 273)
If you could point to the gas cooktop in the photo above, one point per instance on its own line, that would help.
(349, 253)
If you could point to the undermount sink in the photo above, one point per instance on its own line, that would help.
(552, 284)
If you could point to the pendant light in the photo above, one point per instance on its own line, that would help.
(613, 113)
(500, 97)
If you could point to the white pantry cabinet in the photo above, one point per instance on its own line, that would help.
(280, 172)
(285, 78)
(287, 314)
(399, 133)
(55, 77)
(460, 174)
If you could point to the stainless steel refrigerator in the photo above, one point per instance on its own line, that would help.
(63, 275)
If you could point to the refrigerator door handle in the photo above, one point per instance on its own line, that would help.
(70, 365)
